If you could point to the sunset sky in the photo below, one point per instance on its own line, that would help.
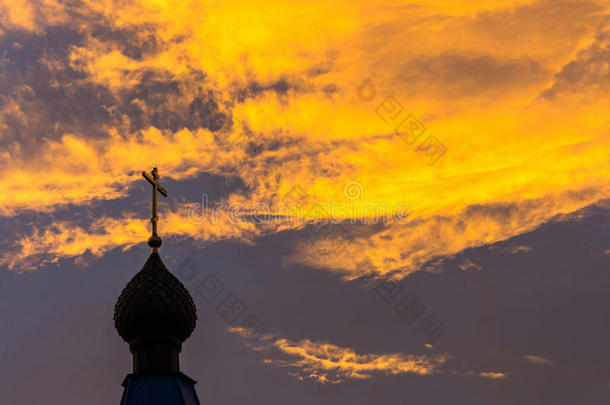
(328, 164)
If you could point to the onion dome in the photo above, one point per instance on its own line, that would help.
(155, 314)
(154, 304)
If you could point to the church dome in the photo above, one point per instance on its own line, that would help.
(154, 304)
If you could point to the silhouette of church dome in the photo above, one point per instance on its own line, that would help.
(155, 314)
(154, 304)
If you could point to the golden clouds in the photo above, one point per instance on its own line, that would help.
(77, 170)
(64, 239)
(30, 15)
(478, 75)
(401, 249)
(233, 40)
(325, 362)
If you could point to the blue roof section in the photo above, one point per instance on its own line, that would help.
(159, 389)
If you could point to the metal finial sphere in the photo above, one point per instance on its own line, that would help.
(154, 241)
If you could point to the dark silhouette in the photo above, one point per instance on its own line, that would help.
(155, 314)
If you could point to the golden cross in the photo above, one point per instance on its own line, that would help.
(153, 178)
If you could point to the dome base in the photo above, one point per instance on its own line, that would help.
(156, 355)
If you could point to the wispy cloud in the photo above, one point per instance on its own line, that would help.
(511, 249)
(467, 265)
(324, 362)
(538, 360)
(64, 239)
(330, 363)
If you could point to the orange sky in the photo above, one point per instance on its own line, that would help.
(430, 127)
(513, 90)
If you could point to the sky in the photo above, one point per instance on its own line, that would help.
(407, 202)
